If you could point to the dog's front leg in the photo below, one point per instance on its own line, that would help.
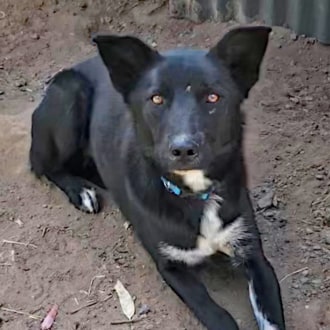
(264, 293)
(190, 289)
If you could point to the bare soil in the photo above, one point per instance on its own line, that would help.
(287, 147)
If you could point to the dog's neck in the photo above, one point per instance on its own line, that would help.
(177, 191)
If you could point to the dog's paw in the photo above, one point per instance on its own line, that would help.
(88, 201)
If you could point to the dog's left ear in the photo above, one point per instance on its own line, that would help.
(242, 50)
(126, 58)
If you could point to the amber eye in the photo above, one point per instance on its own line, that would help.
(157, 99)
(213, 98)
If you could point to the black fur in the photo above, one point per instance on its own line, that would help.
(98, 124)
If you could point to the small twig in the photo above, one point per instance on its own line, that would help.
(9, 310)
(44, 231)
(127, 321)
(91, 303)
(5, 265)
(293, 273)
(76, 301)
(19, 243)
(91, 283)
(325, 198)
(158, 7)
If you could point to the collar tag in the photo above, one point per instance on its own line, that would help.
(174, 189)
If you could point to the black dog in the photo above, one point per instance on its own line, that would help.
(163, 133)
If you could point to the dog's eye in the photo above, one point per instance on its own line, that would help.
(213, 98)
(157, 99)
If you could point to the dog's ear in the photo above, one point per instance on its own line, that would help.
(126, 58)
(242, 50)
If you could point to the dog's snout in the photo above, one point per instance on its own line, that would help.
(184, 148)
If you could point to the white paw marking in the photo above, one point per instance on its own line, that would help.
(89, 201)
(213, 237)
(262, 321)
(195, 180)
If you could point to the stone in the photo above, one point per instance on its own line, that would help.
(266, 201)
(305, 272)
(293, 36)
(144, 309)
(309, 231)
(35, 36)
(20, 83)
(271, 213)
(326, 236)
(317, 282)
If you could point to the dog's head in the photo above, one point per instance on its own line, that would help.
(186, 103)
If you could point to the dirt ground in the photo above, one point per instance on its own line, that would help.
(287, 147)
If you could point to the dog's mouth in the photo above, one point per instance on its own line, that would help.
(188, 183)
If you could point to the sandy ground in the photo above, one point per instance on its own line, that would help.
(287, 147)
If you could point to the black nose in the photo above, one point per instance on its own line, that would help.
(183, 148)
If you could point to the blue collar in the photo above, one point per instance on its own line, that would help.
(174, 189)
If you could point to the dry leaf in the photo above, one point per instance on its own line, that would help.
(126, 301)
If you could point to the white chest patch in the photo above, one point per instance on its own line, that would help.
(195, 180)
(213, 237)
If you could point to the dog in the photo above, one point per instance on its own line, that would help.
(162, 132)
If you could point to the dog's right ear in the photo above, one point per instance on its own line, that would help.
(242, 50)
(126, 58)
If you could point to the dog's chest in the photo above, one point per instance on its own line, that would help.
(214, 236)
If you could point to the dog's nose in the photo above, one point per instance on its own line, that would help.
(183, 148)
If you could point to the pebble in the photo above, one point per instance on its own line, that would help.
(83, 5)
(294, 37)
(20, 83)
(327, 213)
(2, 92)
(272, 213)
(266, 201)
(305, 272)
(318, 213)
(144, 309)
(310, 41)
(326, 236)
(309, 231)
(35, 36)
(317, 247)
(317, 282)
(304, 280)
(295, 100)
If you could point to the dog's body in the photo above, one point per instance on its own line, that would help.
(159, 119)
